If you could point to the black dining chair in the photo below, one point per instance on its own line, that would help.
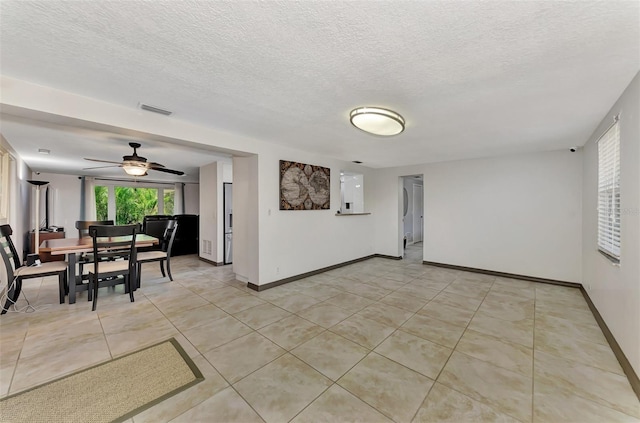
(83, 232)
(16, 272)
(83, 226)
(114, 250)
(163, 255)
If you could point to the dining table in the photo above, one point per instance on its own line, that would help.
(73, 247)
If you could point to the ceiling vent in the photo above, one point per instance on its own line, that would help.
(155, 109)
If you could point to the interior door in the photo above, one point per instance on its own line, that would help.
(417, 213)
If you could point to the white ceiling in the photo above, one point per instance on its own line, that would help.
(472, 79)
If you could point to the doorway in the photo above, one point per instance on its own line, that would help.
(412, 217)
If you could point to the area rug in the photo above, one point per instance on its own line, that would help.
(108, 392)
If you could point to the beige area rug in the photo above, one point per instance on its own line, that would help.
(111, 391)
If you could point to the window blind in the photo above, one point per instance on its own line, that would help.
(609, 192)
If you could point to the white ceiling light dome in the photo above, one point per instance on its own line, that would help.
(377, 121)
(134, 168)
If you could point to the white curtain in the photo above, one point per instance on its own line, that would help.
(89, 198)
(178, 200)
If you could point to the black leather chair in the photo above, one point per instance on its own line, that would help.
(83, 226)
(155, 226)
(16, 272)
(187, 236)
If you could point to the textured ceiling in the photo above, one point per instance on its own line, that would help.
(471, 79)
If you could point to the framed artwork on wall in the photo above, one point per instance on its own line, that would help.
(304, 186)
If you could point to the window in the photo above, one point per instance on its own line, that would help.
(130, 204)
(609, 193)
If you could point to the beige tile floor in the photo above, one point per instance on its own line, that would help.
(376, 341)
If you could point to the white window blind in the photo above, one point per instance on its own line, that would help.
(609, 192)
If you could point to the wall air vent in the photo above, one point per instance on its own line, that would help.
(155, 109)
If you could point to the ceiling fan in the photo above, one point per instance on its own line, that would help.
(135, 165)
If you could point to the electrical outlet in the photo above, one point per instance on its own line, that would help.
(277, 270)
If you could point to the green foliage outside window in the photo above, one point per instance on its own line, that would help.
(102, 203)
(169, 199)
(133, 204)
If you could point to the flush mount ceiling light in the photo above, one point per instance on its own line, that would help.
(134, 168)
(377, 121)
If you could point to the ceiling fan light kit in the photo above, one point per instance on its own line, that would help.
(134, 169)
(377, 121)
(135, 165)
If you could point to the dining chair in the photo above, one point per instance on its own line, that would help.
(163, 255)
(83, 226)
(16, 272)
(114, 250)
(83, 231)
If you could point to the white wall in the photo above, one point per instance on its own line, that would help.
(295, 242)
(246, 257)
(19, 200)
(516, 214)
(192, 198)
(615, 290)
(211, 218)
(227, 172)
(64, 197)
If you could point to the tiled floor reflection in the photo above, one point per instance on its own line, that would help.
(376, 341)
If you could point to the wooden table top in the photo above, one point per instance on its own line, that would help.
(79, 245)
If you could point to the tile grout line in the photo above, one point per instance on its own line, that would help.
(371, 351)
(15, 367)
(106, 341)
(453, 350)
(449, 358)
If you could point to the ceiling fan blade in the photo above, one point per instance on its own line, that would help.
(165, 170)
(102, 161)
(101, 167)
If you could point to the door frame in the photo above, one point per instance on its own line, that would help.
(224, 223)
(419, 188)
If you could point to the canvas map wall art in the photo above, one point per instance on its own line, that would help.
(304, 186)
